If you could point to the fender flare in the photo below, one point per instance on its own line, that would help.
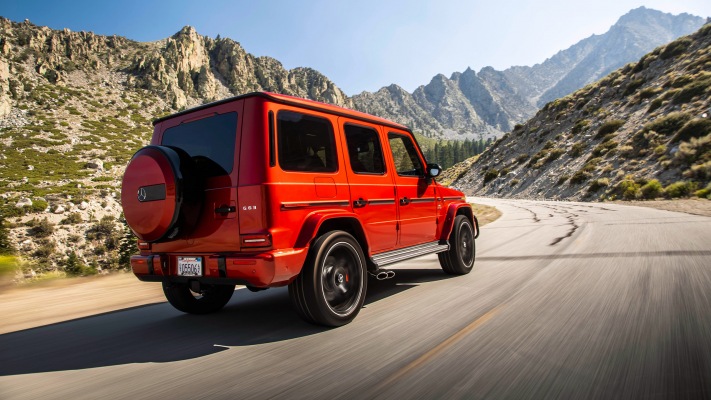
(315, 220)
(452, 211)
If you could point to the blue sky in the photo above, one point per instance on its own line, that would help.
(365, 44)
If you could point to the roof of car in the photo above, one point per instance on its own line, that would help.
(299, 102)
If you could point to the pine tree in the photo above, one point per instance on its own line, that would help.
(128, 245)
(73, 266)
(6, 246)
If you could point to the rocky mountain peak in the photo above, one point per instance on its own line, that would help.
(643, 131)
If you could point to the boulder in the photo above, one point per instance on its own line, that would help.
(95, 164)
(24, 202)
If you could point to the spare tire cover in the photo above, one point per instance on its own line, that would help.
(151, 193)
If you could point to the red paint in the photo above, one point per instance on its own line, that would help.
(269, 216)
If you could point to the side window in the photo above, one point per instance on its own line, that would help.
(407, 162)
(305, 143)
(364, 151)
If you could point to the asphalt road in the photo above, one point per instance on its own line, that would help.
(567, 301)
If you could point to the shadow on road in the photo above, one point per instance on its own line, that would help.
(158, 333)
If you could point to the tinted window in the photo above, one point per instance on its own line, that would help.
(305, 143)
(209, 141)
(364, 152)
(407, 162)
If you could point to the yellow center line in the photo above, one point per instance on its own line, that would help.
(440, 347)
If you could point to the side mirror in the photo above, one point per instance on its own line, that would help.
(433, 170)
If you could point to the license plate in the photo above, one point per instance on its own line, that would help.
(189, 266)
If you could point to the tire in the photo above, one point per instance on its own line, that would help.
(459, 259)
(161, 193)
(331, 287)
(210, 299)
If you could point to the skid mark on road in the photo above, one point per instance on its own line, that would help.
(573, 227)
(535, 216)
(570, 216)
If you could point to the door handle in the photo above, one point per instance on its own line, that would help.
(225, 209)
(404, 201)
(361, 202)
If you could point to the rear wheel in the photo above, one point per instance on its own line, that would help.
(331, 287)
(211, 298)
(459, 259)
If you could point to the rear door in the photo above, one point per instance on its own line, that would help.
(415, 193)
(372, 193)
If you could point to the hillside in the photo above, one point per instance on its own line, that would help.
(491, 102)
(643, 131)
(74, 107)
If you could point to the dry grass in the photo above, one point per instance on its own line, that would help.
(485, 214)
(690, 206)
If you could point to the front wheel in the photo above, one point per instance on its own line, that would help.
(211, 298)
(459, 259)
(331, 287)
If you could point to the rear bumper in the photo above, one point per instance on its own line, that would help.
(273, 268)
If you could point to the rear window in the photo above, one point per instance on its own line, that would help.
(209, 141)
(306, 143)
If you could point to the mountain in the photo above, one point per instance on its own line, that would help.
(492, 102)
(643, 131)
(74, 107)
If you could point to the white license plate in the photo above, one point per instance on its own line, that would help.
(189, 266)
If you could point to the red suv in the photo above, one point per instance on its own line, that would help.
(268, 190)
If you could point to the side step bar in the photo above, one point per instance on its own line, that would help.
(392, 257)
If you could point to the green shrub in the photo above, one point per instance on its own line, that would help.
(72, 219)
(514, 182)
(39, 205)
(102, 229)
(42, 229)
(576, 150)
(554, 154)
(704, 193)
(74, 266)
(521, 158)
(668, 124)
(649, 92)
(6, 246)
(562, 179)
(681, 81)
(604, 148)
(675, 48)
(680, 189)
(633, 85)
(610, 126)
(579, 177)
(656, 103)
(659, 150)
(627, 188)
(701, 171)
(45, 249)
(598, 184)
(490, 175)
(651, 190)
(580, 125)
(691, 90)
(695, 128)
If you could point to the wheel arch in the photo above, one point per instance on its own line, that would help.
(459, 209)
(320, 223)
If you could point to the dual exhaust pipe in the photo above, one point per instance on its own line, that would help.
(382, 274)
